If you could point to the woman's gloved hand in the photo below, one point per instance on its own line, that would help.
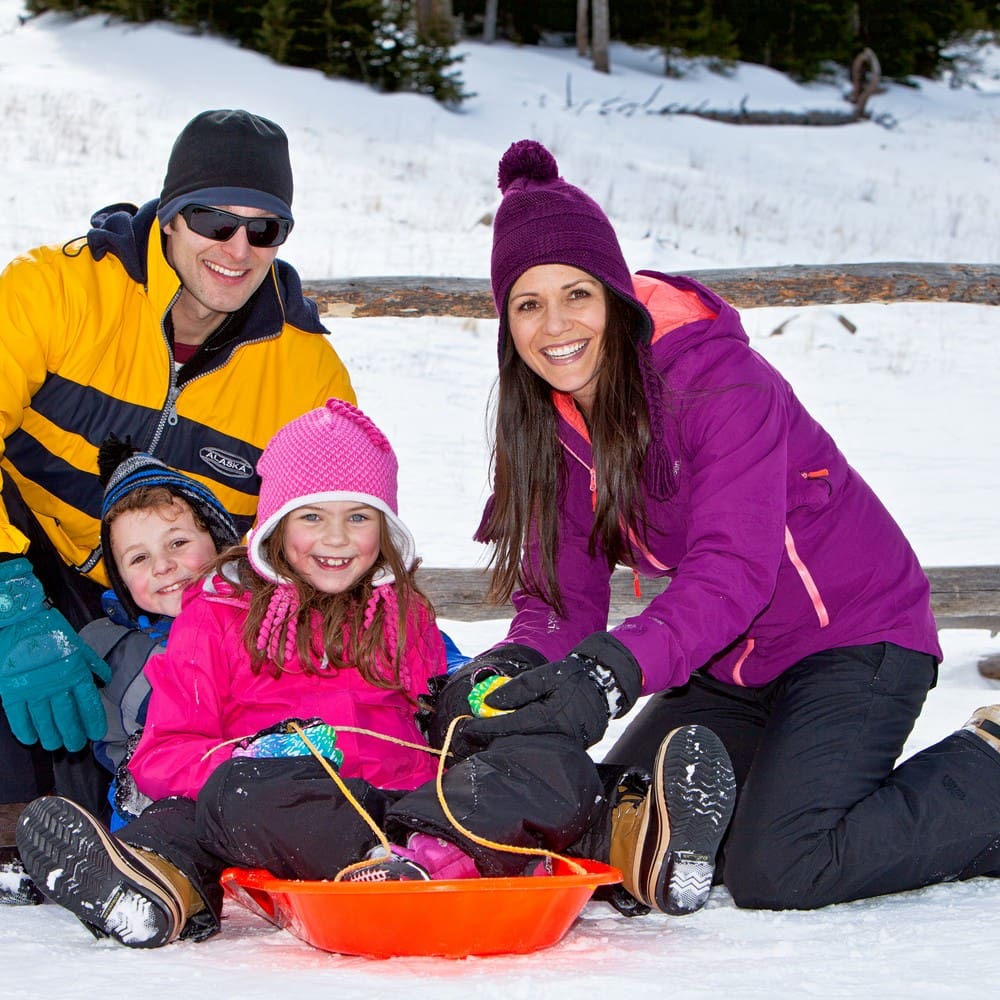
(448, 698)
(575, 697)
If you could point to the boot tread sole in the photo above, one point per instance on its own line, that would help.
(690, 804)
(99, 879)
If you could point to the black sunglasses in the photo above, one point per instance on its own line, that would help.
(214, 224)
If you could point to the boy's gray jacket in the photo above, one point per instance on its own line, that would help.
(126, 695)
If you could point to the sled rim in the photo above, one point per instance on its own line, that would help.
(449, 918)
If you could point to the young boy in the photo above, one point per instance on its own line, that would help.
(159, 530)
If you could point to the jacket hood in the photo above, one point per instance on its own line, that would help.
(685, 314)
(124, 230)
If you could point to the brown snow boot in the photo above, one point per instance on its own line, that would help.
(985, 723)
(132, 895)
(665, 842)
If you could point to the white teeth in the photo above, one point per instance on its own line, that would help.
(566, 351)
(218, 268)
(323, 561)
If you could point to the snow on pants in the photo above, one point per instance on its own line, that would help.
(282, 814)
(823, 814)
(288, 816)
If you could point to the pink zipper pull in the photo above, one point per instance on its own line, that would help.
(636, 586)
(593, 489)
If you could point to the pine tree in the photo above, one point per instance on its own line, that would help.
(275, 34)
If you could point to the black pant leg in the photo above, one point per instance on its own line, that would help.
(286, 815)
(824, 817)
(80, 778)
(537, 791)
(25, 771)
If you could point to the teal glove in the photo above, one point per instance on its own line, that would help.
(46, 670)
(282, 741)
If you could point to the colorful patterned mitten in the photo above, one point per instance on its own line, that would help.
(282, 741)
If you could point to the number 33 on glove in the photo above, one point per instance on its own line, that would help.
(46, 670)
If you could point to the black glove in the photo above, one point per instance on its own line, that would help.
(448, 696)
(575, 697)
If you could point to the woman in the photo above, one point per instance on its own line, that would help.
(635, 425)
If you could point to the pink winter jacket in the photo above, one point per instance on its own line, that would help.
(204, 694)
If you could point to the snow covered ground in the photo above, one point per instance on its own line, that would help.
(398, 185)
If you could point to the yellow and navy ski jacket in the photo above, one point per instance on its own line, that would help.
(84, 354)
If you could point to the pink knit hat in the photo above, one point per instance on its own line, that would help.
(332, 453)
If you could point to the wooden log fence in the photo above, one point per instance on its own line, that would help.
(745, 288)
(962, 596)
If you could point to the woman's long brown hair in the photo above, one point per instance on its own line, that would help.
(529, 462)
(348, 643)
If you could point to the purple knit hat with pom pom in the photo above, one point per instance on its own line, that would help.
(544, 220)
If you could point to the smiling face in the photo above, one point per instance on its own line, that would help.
(217, 278)
(557, 316)
(159, 551)
(332, 544)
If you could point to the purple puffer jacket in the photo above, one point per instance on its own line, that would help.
(775, 546)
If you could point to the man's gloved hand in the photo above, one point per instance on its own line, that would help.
(576, 697)
(449, 693)
(46, 670)
(281, 740)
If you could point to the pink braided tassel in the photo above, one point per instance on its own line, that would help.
(387, 594)
(282, 609)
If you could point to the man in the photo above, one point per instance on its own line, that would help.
(175, 325)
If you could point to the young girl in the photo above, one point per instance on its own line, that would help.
(636, 425)
(320, 620)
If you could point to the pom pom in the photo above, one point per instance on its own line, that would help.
(111, 454)
(529, 160)
(479, 693)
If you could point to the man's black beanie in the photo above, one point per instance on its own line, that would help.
(228, 158)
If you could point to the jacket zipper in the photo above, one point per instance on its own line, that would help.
(640, 548)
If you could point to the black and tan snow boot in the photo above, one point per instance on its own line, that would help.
(985, 723)
(665, 841)
(16, 889)
(118, 891)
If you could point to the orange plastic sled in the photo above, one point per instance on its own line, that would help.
(452, 918)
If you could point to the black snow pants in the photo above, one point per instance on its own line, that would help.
(288, 816)
(823, 813)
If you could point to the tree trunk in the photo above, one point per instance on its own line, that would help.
(582, 32)
(866, 76)
(600, 36)
(490, 22)
(435, 19)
